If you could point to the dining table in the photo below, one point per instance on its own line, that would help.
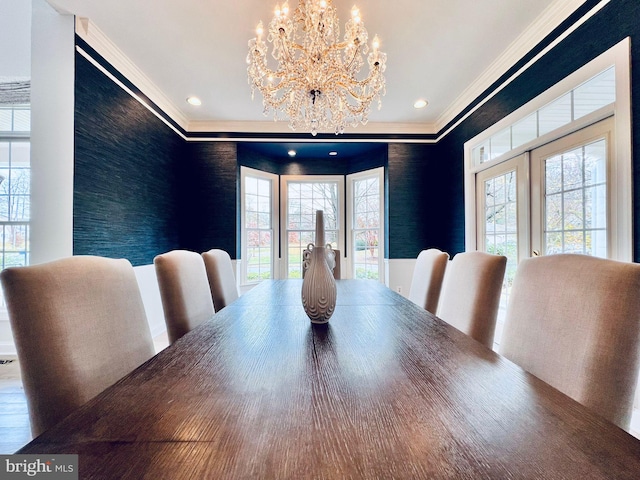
(384, 390)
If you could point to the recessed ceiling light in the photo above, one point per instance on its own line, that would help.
(333, 153)
(194, 101)
(420, 103)
(292, 153)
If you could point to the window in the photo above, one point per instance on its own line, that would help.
(588, 97)
(571, 213)
(258, 224)
(302, 197)
(15, 185)
(366, 207)
(272, 248)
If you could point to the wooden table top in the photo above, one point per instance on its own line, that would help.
(385, 390)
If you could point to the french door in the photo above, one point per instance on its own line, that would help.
(570, 194)
(553, 199)
(502, 218)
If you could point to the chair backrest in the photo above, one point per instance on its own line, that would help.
(79, 325)
(574, 322)
(426, 283)
(184, 290)
(334, 264)
(222, 281)
(336, 267)
(470, 295)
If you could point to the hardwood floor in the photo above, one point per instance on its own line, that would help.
(14, 419)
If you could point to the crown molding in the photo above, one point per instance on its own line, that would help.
(547, 21)
(90, 33)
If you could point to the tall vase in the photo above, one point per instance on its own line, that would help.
(318, 286)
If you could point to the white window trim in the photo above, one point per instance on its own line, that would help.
(375, 172)
(275, 224)
(284, 179)
(621, 166)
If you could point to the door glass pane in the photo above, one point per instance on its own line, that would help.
(501, 230)
(366, 228)
(303, 200)
(575, 201)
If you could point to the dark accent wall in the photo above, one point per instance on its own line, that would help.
(418, 199)
(125, 180)
(209, 196)
(617, 20)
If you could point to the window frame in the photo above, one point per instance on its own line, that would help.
(284, 180)
(275, 219)
(17, 136)
(620, 182)
(601, 131)
(350, 256)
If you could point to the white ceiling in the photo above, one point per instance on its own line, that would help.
(15, 39)
(446, 51)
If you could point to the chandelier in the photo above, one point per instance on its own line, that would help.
(315, 84)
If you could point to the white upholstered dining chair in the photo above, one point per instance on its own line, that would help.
(222, 281)
(574, 322)
(184, 290)
(333, 261)
(336, 264)
(470, 295)
(426, 283)
(79, 325)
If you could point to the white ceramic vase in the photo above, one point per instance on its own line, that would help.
(318, 286)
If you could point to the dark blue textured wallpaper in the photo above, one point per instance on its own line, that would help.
(208, 197)
(125, 180)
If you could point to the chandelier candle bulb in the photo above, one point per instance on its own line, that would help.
(315, 83)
